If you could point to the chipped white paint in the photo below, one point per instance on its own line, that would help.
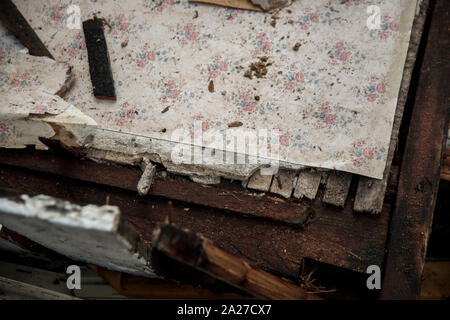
(87, 233)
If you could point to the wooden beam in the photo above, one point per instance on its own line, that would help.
(230, 199)
(21, 29)
(419, 176)
(171, 243)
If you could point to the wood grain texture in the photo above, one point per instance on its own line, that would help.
(338, 185)
(259, 182)
(307, 185)
(170, 243)
(283, 183)
(371, 192)
(419, 175)
(334, 236)
(228, 198)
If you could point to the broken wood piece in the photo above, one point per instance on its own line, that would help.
(93, 234)
(308, 183)
(14, 21)
(370, 195)
(146, 180)
(418, 183)
(198, 256)
(338, 185)
(99, 64)
(259, 182)
(283, 183)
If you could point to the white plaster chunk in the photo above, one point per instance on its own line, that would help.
(146, 180)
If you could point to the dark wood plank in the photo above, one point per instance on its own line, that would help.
(173, 246)
(334, 236)
(232, 200)
(99, 64)
(419, 174)
(14, 21)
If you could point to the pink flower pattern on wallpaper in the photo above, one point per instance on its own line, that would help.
(164, 4)
(55, 14)
(217, 67)
(145, 56)
(171, 91)
(309, 19)
(365, 152)
(375, 90)
(301, 94)
(189, 33)
(263, 44)
(294, 79)
(389, 28)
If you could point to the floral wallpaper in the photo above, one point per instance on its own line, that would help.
(320, 77)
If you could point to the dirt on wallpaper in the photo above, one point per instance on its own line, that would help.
(314, 84)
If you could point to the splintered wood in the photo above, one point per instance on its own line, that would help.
(283, 183)
(338, 185)
(200, 259)
(308, 182)
(259, 182)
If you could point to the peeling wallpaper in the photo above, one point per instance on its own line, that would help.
(329, 88)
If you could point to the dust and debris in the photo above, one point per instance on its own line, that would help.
(124, 44)
(165, 110)
(211, 86)
(273, 22)
(258, 69)
(235, 124)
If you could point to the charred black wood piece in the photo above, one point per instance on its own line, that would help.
(99, 63)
